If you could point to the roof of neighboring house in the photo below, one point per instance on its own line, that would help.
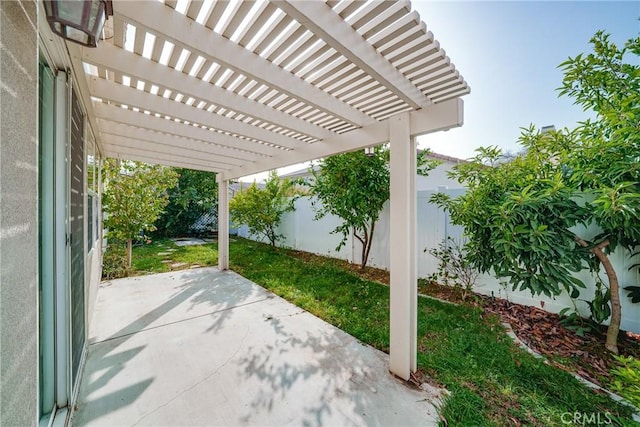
(447, 158)
(236, 186)
(300, 172)
(305, 171)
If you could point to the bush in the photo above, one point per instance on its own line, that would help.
(454, 268)
(114, 261)
(627, 379)
(262, 209)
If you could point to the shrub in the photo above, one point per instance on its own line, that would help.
(114, 261)
(627, 379)
(454, 268)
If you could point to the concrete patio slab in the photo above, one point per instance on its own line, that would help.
(191, 241)
(203, 347)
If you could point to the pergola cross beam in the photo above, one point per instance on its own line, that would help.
(434, 118)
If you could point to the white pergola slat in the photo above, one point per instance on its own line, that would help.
(239, 87)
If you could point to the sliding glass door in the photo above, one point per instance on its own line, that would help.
(46, 181)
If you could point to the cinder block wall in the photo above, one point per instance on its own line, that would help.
(18, 213)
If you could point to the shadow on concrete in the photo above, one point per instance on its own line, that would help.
(222, 293)
(219, 290)
(343, 375)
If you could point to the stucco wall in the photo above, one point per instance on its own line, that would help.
(18, 213)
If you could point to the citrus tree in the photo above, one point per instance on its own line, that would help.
(261, 209)
(135, 195)
(521, 216)
(355, 186)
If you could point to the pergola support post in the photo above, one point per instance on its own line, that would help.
(223, 223)
(403, 292)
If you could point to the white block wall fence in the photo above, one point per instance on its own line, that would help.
(302, 232)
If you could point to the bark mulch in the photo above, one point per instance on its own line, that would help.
(544, 332)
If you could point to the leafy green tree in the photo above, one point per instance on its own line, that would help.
(135, 195)
(195, 195)
(525, 218)
(261, 209)
(355, 187)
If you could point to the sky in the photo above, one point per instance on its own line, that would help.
(509, 52)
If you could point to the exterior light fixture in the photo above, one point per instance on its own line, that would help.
(370, 151)
(79, 21)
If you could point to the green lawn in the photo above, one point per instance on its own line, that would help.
(492, 381)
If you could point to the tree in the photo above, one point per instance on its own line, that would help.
(606, 163)
(521, 216)
(355, 187)
(195, 194)
(134, 197)
(261, 209)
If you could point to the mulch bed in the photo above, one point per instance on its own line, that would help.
(540, 330)
(543, 332)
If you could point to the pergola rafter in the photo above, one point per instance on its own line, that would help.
(124, 95)
(183, 32)
(228, 145)
(173, 144)
(130, 64)
(318, 18)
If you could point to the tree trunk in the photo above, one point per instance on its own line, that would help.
(365, 243)
(616, 310)
(367, 249)
(362, 242)
(129, 254)
(271, 236)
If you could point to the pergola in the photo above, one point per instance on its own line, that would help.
(239, 87)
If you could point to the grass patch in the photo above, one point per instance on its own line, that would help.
(492, 381)
(146, 258)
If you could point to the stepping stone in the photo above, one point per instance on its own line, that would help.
(195, 266)
(163, 253)
(167, 261)
(171, 250)
(178, 264)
